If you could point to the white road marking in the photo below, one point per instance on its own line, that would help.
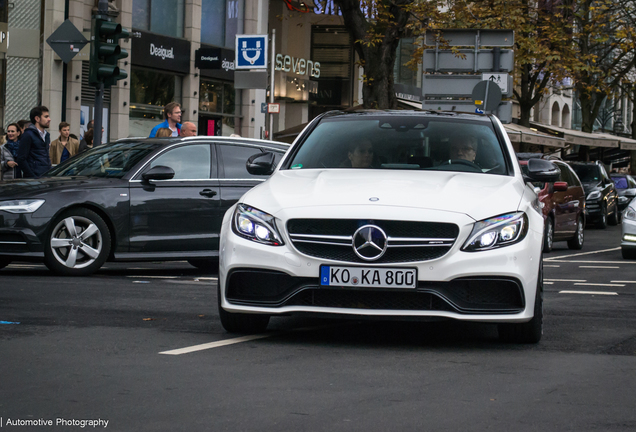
(582, 253)
(599, 267)
(140, 281)
(207, 278)
(588, 292)
(547, 265)
(217, 344)
(548, 283)
(565, 280)
(600, 284)
(624, 282)
(154, 277)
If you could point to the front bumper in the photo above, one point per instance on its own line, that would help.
(20, 236)
(489, 286)
(594, 209)
(628, 231)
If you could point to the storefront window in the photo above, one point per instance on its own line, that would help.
(149, 92)
(216, 107)
(165, 17)
(213, 22)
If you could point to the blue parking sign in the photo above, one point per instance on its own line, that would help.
(251, 52)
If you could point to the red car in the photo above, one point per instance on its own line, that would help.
(563, 207)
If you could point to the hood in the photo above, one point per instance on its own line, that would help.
(590, 186)
(28, 188)
(477, 195)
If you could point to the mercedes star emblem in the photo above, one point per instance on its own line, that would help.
(369, 242)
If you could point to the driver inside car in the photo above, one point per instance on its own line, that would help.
(463, 147)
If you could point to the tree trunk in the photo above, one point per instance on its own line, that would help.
(376, 43)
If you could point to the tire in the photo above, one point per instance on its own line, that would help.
(207, 265)
(576, 242)
(548, 235)
(81, 252)
(602, 222)
(614, 219)
(4, 262)
(529, 332)
(241, 322)
(628, 253)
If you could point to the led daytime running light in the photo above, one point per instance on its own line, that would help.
(256, 225)
(21, 206)
(497, 232)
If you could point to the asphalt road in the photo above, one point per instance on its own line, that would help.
(94, 348)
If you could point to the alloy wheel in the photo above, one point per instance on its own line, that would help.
(76, 242)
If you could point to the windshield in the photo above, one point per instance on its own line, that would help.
(110, 160)
(620, 182)
(587, 173)
(402, 142)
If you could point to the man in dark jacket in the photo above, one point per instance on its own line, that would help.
(33, 154)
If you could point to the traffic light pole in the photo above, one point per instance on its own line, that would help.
(102, 9)
(98, 115)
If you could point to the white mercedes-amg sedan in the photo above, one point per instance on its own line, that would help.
(402, 214)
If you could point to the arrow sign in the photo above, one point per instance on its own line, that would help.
(67, 41)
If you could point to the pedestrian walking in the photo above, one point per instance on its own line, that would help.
(7, 162)
(163, 133)
(64, 147)
(33, 154)
(13, 143)
(172, 115)
(87, 142)
(188, 129)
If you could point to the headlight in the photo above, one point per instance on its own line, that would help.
(623, 199)
(21, 206)
(630, 213)
(497, 232)
(594, 195)
(255, 225)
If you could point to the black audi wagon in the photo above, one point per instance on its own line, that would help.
(130, 200)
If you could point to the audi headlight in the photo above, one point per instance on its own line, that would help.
(630, 214)
(594, 195)
(21, 206)
(497, 232)
(255, 225)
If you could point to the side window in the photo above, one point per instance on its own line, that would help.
(189, 162)
(234, 159)
(573, 176)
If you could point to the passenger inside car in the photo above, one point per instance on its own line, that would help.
(360, 154)
(463, 147)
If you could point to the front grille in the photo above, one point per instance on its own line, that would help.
(407, 241)
(369, 299)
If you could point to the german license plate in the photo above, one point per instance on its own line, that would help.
(369, 277)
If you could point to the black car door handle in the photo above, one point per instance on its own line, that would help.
(208, 193)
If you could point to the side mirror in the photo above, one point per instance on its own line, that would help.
(541, 170)
(158, 172)
(261, 164)
(560, 186)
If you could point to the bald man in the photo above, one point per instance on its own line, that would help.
(188, 129)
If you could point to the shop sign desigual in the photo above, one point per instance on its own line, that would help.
(298, 66)
(160, 52)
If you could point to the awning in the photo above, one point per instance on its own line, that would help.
(522, 134)
(576, 137)
(625, 143)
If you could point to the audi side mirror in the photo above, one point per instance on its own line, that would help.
(261, 164)
(158, 172)
(541, 170)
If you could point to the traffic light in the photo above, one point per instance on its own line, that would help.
(106, 51)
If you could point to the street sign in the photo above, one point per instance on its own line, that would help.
(263, 107)
(487, 95)
(273, 108)
(251, 52)
(463, 60)
(67, 41)
(466, 37)
(501, 79)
